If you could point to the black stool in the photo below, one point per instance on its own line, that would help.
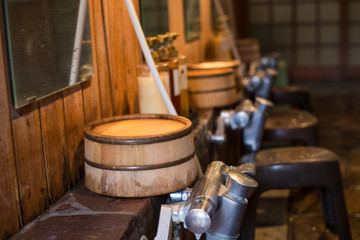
(297, 167)
(291, 124)
(296, 96)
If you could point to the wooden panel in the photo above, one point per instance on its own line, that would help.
(91, 94)
(55, 150)
(114, 10)
(176, 24)
(241, 16)
(101, 63)
(10, 218)
(132, 57)
(194, 50)
(206, 27)
(74, 123)
(91, 99)
(30, 163)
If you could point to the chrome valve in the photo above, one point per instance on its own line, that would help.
(247, 116)
(260, 80)
(216, 205)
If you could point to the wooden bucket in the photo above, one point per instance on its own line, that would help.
(249, 49)
(221, 64)
(212, 88)
(139, 155)
(208, 65)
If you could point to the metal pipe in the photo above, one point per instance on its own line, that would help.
(252, 134)
(204, 199)
(77, 42)
(148, 57)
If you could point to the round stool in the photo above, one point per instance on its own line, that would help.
(297, 167)
(291, 124)
(296, 96)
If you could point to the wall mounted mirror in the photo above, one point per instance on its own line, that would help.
(192, 19)
(154, 17)
(49, 46)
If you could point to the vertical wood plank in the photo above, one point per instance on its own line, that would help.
(114, 23)
(242, 22)
(74, 124)
(91, 100)
(194, 50)
(30, 163)
(10, 215)
(176, 24)
(54, 144)
(132, 57)
(206, 27)
(91, 96)
(101, 63)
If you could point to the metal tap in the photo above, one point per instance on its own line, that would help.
(215, 206)
(260, 83)
(253, 132)
(247, 116)
(270, 61)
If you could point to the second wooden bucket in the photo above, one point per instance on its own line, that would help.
(221, 64)
(214, 64)
(212, 88)
(249, 49)
(139, 155)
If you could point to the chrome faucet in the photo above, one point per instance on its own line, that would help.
(217, 203)
(260, 83)
(248, 116)
(215, 206)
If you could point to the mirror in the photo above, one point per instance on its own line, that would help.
(154, 17)
(49, 46)
(192, 19)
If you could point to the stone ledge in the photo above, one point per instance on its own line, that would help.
(82, 214)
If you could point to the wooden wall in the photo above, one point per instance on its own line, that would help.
(194, 50)
(41, 146)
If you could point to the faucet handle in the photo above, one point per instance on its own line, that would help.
(236, 119)
(263, 104)
(252, 83)
(240, 185)
(247, 168)
(219, 136)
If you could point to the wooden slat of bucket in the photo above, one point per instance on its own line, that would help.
(141, 183)
(222, 64)
(134, 166)
(212, 88)
(249, 49)
(141, 154)
(210, 80)
(213, 99)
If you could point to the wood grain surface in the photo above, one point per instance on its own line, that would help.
(10, 217)
(30, 161)
(138, 127)
(42, 144)
(102, 69)
(74, 123)
(140, 174)
(54, 144)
